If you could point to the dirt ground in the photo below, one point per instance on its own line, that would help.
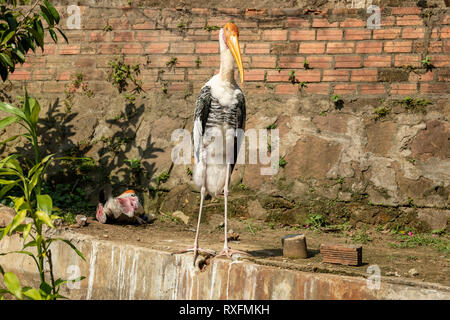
(263, 244)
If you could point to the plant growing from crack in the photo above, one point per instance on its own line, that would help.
(211, 28)
(121, 73)
(172, 63)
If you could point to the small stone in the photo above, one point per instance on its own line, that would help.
(6, 215)
(181, 216)
(105, 236)
(413, 272)
(81, 220)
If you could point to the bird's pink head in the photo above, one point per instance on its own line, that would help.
(128, 193)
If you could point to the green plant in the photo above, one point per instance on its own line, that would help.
(292, 78)
(323, 113)
(381, 112)
(306, 64)
(180, 25)
(338, 102)
(188, 171)
(412, 160)
(426, 63)
(198, 62)
(303, 84)
(340, 180)
(361, 236)
(22, 31)
(406, 241)
(107, 28)
(282, 162)
(135, 163)
(439, 232)
(278, 68)
(411, 202)
(272, 126)
(162, 177)
(315, 221)
(211, 28)
(172, 62)
(121, 73)
(242, 186)
(252, 228)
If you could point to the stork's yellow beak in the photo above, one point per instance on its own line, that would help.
(232, 39)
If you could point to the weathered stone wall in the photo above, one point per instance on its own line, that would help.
(346, 151)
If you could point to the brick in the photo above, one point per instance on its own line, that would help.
(357, 34)
(291, 62)
(347, 61)
(438, 88)
(108, 48)
(132, 48)
(20, 75)
(445, 33)
(407, 60)
(231, 11)
(435, 33)
(409, 20)
(53, 87)
(329, 34)
(323, 23)
(312, 47)
(98, 36)
(418, 47)
(248, 35)
(335, 75)
(170, 36)
(207, 47)
(146, 25)
(147, 36)
(69, 49)
(254, 75)
(369, 47)
(353, 23)
(286, 89)
(372, 89)
(63, 75)
(436, 46)
(189, 61)
(364, 75)
(405, 10)
(397, 46)
(284, 48)
(294, 22)
(386, 33)
(426, 77)
(445, 19)
(301, 75)
(345, 88)
(302, 35)
(83, 62)
(157, 47)
(340, 47)
(403, 88)
(320, 62)
(387, 21)
(443, 75)
(318, 88)
(210, 61)
(263, 62)
(413, 33)
(182, 47)
(274, 35)
(257, 48)
(173, 75)
(200, 11)
(255, 12)
(119, 23)
(377, 61)
(440, 61)
(348, 255)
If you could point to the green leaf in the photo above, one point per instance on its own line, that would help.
(7, 121)
(45, 203)
(54, 35)
(7, 188)
(62, 33)
(32, 294)
(19, 55)
(26, 231)
(12, 283)
(18, 202)
(18, 218)
(3, 181)
(47, 16)
(11, 139)
(70, 244)
(45, 288)
(2, 271)
(44, 217)
(4, 106)
(8, 37)
(52, 10)
(7, 60)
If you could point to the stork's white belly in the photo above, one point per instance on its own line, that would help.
(215, 156)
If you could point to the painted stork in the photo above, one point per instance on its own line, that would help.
(219, 113)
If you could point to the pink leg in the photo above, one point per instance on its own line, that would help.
(226, 250)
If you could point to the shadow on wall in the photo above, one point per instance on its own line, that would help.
(59, 132)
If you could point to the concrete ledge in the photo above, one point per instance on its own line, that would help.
(123, 271)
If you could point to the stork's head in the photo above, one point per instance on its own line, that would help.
(128, 193)
(229, 34)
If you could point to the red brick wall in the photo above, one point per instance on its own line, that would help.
(343, 55)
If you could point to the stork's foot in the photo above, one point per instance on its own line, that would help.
(196, 251)
(100, 215)
(229, 253)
